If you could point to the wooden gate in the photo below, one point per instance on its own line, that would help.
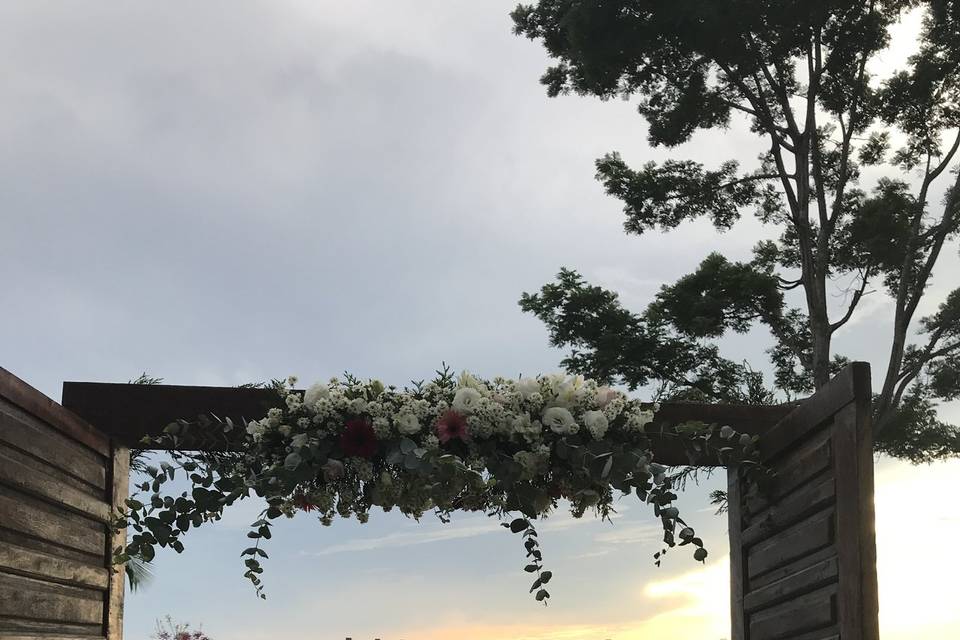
(803, 557)
(803, 553)
(60, 478)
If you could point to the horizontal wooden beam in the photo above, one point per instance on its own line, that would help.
(128, 412)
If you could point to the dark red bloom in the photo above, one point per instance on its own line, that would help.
(303, 502)
(452, 425)
(358, 439)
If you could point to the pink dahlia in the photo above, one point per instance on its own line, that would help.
(452, 425)
(358, 439)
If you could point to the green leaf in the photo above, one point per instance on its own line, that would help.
(519, 525)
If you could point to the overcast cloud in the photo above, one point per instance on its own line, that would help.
(226, 192)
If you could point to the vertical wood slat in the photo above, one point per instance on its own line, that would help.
(120, 478)
(738, 569)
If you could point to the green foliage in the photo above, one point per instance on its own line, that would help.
(520, 451)
(799, 72)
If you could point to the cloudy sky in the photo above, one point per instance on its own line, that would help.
(219, 193)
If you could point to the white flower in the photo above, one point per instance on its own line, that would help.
(560, 421)
(727, 432)
(637, 420)
(596, 423)
(284, 430)
(466, 399)
(407, 423)
(523, 426)
(299, 441)
(527, 386)
(256, 429)
(358, 405)
(469, 381)
(316, 392)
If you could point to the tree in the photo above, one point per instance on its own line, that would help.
(797, 70)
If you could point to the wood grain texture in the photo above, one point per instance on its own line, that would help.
(44, 442)
(41, 600)
(37, 518)
(36, 564)
(29, 399)
(42, 480)
(120, 478)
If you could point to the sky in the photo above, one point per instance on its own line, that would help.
(218, 193)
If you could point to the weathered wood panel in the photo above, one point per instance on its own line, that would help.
(60, 479)
(803, 553)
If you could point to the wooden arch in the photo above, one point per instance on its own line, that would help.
(803, 558)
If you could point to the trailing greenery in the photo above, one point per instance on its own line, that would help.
(511, 449)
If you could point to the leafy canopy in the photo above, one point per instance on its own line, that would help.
(797, 71)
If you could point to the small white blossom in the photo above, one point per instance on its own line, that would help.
(407, 423)
(466, 399)
(596, 423)
(316, 392)
(560, 421)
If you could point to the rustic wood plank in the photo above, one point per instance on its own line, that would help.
(31, 400)
(798, 505)
(808, 536)
(40, 600)
(793, 585)
(28, 515)
(840, 391)
(44, 566)
(792, 567)
(120, 477)
(18, 628)
(809, 612)
(29, 475)
(738, 568)
(810, 459)
(855, 521)
(25, 432)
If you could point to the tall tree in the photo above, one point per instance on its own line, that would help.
(798, 71)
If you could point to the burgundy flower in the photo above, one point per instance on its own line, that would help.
(452, 425)
(303, 502)
(358, 439)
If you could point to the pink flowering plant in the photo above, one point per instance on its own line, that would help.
(168, 630)
(512, 449)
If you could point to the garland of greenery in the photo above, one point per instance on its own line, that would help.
(500, 447)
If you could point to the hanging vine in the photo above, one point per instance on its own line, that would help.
(512, 449)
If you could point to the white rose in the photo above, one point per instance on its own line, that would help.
(527, 387)
(407, 423)
(559, 420)
(465, 399)
(316, 392)
(596, 423)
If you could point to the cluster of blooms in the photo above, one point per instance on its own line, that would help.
(355, 427)
(456, 443)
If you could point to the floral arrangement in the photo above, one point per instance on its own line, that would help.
(512, 449)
